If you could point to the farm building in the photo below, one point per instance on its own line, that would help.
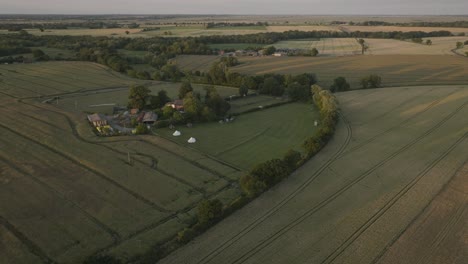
(97, 120)
(177, 105)
(134, 111)
(280, 54)
(149, 118)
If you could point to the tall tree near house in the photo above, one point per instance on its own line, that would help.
(138, 96)
(184, 89)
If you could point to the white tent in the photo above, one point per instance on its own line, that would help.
(192, 140)
(177, 133)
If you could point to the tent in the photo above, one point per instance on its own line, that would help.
(177, 133)
(192, 140)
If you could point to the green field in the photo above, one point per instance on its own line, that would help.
(251, 138)
(72, 194)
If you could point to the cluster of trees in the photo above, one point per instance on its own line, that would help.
(459, 24)
(230, 24)
(196, 109)
(270, 84)
(267, 174)
(58, 25)
(340, 85)
(371, 81)
(272, 37)
(327, 104)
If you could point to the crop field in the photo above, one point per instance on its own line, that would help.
(50, 78)
(440, 46)
(395, 70)
(252, 138)
(72, 194)
(394, 151)
(235, 46)
(325, 46)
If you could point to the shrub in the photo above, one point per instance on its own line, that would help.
(186, 235)
(292, 158)
(209, 210)
(371, 81)
(141, 129)
(340, 85)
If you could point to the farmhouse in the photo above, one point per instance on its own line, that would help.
(149, 118)
(177, 105)
(280, 54)
(97, 120)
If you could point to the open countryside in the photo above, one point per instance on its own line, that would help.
(190, 139)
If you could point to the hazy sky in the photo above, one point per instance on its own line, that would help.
(397, 7)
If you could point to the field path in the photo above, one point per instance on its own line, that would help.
(348, 208)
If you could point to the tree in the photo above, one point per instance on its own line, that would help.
(192, 106)
(340, 85)
(428, 42)
(298, 92)
(209, 210)
(39, 55)
(364, 45)
(243, 90)
(184, 89)
(313, 52)
(141, 129)
(269, 50)
(215, 102)
(459, 45)
(292, 159)
(127, 32)
(272, 86)
(138, 96)
(371, 81)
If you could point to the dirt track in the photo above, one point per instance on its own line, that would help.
(393, 152)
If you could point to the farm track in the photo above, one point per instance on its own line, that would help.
(270, 239)
(283, 202)
(330, 258)
(371, 139)
(32, 247)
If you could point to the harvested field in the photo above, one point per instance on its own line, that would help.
(393, 151)
(395, 70)
(440, 46)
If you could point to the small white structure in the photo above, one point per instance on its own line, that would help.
(192, 140)
(177, 133)
(316, 123)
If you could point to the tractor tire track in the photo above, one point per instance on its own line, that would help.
(283, 202)
(31, 246)
(97, 173)
(371, 139)
(335, 254)
(114, 234)
(273, 237)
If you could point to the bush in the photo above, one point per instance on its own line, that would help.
(371, 81)
(186, 235)
(209, 211)
(340, 85)
(141, 129)
(292, 158)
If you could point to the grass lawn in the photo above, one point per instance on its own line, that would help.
(252, 138)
